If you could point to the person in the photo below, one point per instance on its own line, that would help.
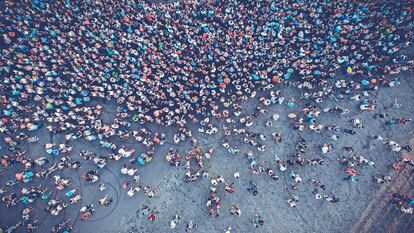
(62, 226)
(132, 190)
(293, 201)
(175, 221)
(87, 211)
(214, 204)
(229, 187)
(258, 221)
(55, 206)
(90, 176)
(191, 225)
(235, 210)
(253, 188)
(75, 199)
(105, 201)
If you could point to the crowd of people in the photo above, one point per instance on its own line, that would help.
(181, 63)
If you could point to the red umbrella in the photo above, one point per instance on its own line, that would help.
(226, 80)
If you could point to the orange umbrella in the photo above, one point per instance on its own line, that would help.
(226, 80)
(222, 85)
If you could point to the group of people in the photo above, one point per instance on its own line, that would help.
(179, 63)
(171, 63)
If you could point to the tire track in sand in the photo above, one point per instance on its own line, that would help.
(381, 199)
